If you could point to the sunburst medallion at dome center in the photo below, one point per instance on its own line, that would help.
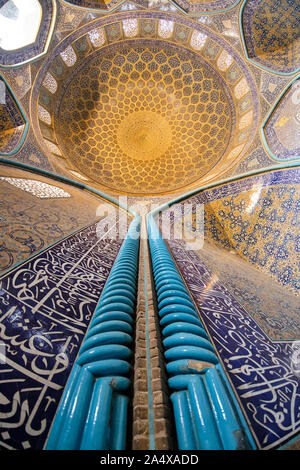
(144, 135)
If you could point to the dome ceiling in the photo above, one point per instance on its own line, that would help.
(145, 119)
(145, 103)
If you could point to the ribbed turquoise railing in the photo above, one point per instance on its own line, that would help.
(206, 412)
(92, 413)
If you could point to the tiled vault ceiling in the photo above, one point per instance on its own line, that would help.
(149, 224)
(154, 97)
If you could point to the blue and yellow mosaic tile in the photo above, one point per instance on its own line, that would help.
(282, 128)
(253, 322)
(13, 123)
(271, 33)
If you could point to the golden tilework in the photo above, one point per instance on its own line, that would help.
(244, 278)
(272, 33)
(145, 104)
(12, 122)
(282, 128)
(247, 233)
(261, 226)
(146, 119)
(144, 134)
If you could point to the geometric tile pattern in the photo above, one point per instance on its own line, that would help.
(282, 128)
(100, 98)
(13, 124)
(147, 125)
(260, 370)
(271, 33)
(270, 305)
(257, 217)
(262, 226)
(253, 335)
(245, 279)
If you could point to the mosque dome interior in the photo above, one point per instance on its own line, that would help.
(149, 225)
